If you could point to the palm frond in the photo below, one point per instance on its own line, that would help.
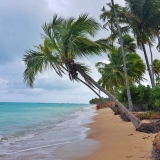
(37, 62)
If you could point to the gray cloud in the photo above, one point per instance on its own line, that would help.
(53, 83)
(20, 28)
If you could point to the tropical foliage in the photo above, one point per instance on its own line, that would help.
(140, 94)
(141, 18)
(98, 100)
(65, 40)
(112, 73)
(155, 98)
(156, 70)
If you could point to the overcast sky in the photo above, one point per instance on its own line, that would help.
(20, 28)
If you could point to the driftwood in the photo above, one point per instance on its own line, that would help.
(152, 127)
(155, 154)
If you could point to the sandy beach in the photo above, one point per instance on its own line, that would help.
(118, 139)
(109, 138)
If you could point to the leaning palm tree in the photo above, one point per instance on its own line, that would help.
(65, 40)
(113, 24)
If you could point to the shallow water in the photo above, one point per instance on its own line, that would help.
(33, 126)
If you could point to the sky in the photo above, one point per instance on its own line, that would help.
(20, 28)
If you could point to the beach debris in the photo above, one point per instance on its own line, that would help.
(156, 141)
(152, 127)
(130, 134)
(155, 154)
(129, 156)
(145, 137)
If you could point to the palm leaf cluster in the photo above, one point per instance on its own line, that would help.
(140, 18)
(156, 69)
(112, 73)
(64, 41)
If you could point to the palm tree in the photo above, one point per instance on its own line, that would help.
(129, 44)
(67, 39)
(124, 61)
(140, 17)
(113, 74)
(156, 70)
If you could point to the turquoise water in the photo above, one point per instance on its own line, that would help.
(25, 126)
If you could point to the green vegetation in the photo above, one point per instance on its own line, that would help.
(155, 98)
(113, 74)
(66, 40)
(98, 100)
(139, 17)
(148, 115)
(142, 95)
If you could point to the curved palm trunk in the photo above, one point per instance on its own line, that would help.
(147, 62)
(124, 61)
(114, 109)
(136, 122)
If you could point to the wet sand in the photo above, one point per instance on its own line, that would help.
(118, 139)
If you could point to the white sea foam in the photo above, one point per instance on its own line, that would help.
(66, 129)
(0, 137)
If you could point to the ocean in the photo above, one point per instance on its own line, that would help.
(29, 126)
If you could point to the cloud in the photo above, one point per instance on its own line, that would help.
(20, 28)
(57, 84)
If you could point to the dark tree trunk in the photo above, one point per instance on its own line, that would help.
(147, 62)
(136, 122)
(116, 110)
(124, 61)
(142, 127)
(152, 65)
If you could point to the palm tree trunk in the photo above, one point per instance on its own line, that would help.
(147, 62)
(152, 65)
(136, 122)
(158, 38)
(124, 61)
(114, 109)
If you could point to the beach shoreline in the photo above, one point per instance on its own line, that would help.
(118, 139)
(108, 138)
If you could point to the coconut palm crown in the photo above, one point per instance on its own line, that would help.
(64, 41)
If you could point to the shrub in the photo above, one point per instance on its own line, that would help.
(140, 94)
(154, 98)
